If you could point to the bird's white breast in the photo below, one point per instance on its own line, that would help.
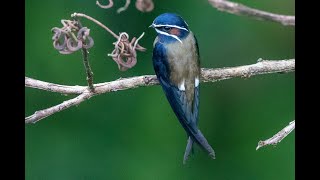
(183, 62)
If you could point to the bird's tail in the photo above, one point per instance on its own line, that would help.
(189, 149)
(202, 141)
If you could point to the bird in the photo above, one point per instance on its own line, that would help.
(176, 62)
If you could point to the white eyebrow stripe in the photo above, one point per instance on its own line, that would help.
(175, 26)
(164, 33)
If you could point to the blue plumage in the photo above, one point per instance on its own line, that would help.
(177, 66)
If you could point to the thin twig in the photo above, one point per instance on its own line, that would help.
(239, 9)
(208, 75)
(38, 115)
(95, 21)
(63, 89)
(124, 7)
(136, 42)
(87, 68)
(279, 136)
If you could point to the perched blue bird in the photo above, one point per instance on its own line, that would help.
(176, 62)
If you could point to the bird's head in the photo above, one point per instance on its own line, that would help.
(170, 27)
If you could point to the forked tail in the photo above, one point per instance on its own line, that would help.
(201, 140)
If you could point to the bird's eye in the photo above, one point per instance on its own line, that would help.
(166, 28)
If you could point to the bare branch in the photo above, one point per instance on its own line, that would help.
(208, 75)
(63, 89)
(262, 67)
(279, 136)
(85, 94)
(239, 9)
(38, 115)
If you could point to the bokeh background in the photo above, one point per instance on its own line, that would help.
(134, 134)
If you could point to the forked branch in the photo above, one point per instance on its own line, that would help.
(279, 136)
(242, 10)
(208, 75)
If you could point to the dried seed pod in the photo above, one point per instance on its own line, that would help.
(124, 53)
(83, 32)
(88, 42)
(57, 33)
(144, 5)
(66, 51)
(105, 6)
(73, 45)
(60, 43)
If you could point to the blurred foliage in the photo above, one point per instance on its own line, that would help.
(134, 134)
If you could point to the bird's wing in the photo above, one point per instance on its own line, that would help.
(196, 93)
(187, 115)
(187, 112)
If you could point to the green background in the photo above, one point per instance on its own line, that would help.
(134, 134)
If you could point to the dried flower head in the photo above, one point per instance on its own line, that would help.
(144, 5)
(124, 53)
(124, 49)
(71, 37)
